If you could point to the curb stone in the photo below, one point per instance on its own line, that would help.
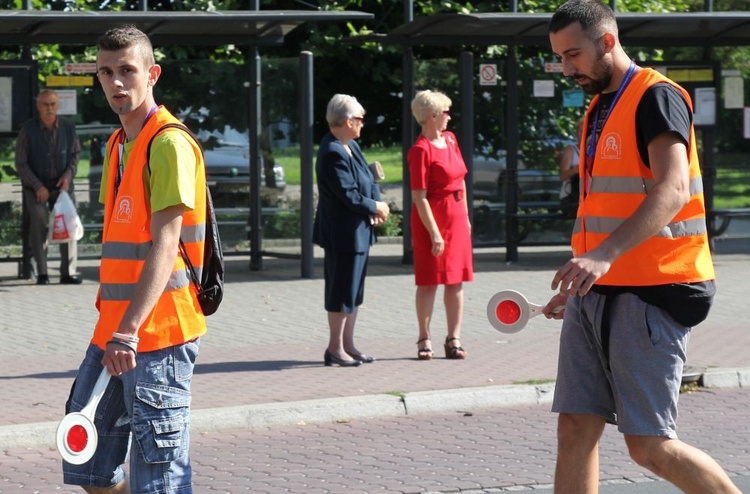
(249, 417)
(482, 397)
(726, 378)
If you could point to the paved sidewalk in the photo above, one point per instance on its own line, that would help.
(261, 362)
(488, 450)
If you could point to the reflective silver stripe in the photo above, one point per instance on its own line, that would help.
(126, 250)
(577, 226)
(620, 185)
(124, 291)
(696, 185)
(606, 225)
(602, 224)
(178, 279)
(684, 228)
(193, 233)
(117, 291)
(634, 185)
(138, 252)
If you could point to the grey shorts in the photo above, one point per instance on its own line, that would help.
(638, 384)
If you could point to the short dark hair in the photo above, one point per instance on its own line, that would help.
(121, 37)
(595, 18)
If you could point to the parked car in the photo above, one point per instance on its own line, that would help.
(490, 176)
(227, 170)
(534, 184)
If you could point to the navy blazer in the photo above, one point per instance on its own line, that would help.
(346, 198)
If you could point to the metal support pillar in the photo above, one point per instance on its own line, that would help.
(407, 140)
(511, 179)
(253, 118)
(466, 130)
(306, 160)
(407, 137)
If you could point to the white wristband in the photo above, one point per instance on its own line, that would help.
(126, 337)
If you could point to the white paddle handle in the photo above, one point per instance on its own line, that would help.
(535, 310)
(96, 395)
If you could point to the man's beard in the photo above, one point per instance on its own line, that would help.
(596, 85)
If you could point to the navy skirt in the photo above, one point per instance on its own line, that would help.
(344, 280)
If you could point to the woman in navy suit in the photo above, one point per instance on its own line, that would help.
(349, 208)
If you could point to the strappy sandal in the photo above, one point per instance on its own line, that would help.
(454, 352)
(424, 352)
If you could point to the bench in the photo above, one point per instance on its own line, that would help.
(93, 223)
(725, 216)
(528, 214)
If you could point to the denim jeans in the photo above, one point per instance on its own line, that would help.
(145, 411)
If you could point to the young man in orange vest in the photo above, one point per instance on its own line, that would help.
(641, 275)
(150, 320)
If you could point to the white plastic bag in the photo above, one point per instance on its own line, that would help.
(64, 223)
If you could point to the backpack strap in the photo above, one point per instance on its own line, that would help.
(161, 129)
(183, 253)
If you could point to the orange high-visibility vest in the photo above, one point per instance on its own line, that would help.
(126, 241)
(620, 181)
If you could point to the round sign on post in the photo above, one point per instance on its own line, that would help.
(488, 74)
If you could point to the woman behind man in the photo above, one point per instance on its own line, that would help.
(349, 208)
(569, 160)
(441, 233)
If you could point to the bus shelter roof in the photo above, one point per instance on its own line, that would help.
(258, 28)
(635, 29)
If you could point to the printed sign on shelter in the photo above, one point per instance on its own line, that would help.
(488, 74)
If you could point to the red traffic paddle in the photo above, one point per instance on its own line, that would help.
(509, 311)
(76, 434)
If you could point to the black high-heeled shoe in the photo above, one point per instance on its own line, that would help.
(329, 359)
(365, 359)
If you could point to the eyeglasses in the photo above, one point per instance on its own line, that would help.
(446, 112)
(359, 119)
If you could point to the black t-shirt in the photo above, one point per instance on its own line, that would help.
(662, 109)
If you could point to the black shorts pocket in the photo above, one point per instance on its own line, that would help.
(161, 417)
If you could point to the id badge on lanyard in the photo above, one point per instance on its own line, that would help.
(594, 135)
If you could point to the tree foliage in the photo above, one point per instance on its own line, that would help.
(210, 84)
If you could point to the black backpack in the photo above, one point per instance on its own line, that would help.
(210, 286)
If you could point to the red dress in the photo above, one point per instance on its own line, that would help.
(441, 173)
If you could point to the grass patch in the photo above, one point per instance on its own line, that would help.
(389, 158)
(689, 387)
(397, 394)
(732, 188)
(535, 382)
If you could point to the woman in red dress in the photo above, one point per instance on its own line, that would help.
(440, 228)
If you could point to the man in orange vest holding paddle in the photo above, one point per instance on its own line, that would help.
(641, 275)
(150, 321)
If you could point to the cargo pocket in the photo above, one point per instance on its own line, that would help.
(161, 420)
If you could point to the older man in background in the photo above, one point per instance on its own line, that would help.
(47, 153)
